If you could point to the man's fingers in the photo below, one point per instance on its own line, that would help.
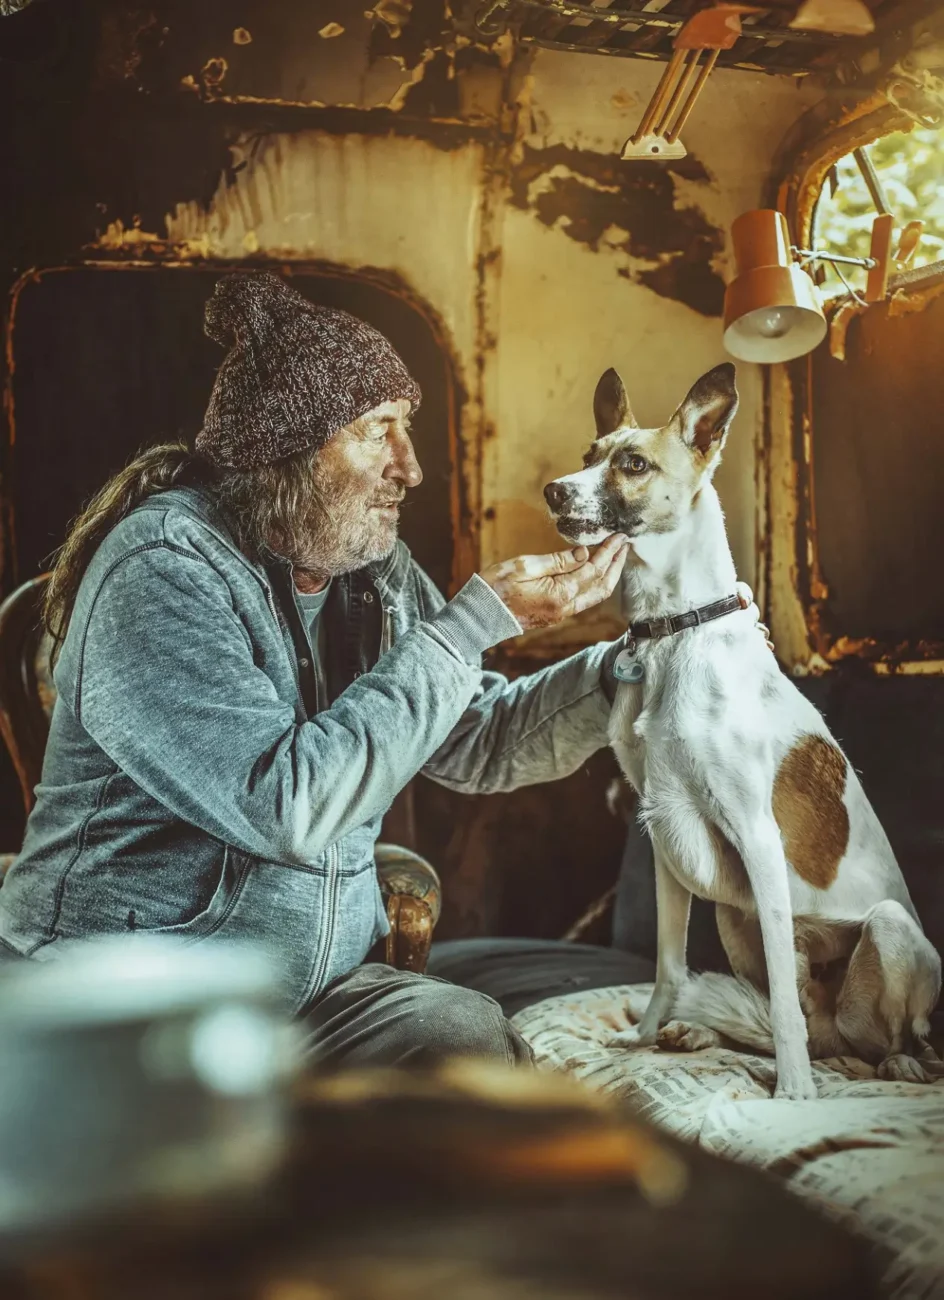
(549, 566)
(540, 590)
(744, 594)
(556, 563)
(603, 556)
(605, 585)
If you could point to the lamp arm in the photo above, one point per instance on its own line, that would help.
(810, 255)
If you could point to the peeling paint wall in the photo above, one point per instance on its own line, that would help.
(629, 273)
(546, 258)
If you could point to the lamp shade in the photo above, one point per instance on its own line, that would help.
(771, 308)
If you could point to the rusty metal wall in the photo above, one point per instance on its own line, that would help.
(878, 467)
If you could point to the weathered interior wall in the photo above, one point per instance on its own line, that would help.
(623, 265)
(546, 258)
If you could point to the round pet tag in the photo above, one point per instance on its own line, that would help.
(627, 668)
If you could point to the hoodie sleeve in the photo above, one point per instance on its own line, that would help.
(167, 684)
(536, 728)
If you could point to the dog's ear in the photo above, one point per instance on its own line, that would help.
(706, 414)
(611, 408)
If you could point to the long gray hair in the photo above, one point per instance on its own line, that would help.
(271, 507)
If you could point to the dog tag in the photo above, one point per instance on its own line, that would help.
(627, 668)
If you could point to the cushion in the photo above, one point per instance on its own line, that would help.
(868, 1152)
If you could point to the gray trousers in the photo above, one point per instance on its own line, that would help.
(376, 1015)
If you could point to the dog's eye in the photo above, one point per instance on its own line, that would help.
(637, 465)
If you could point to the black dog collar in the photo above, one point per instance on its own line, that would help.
(657, 627)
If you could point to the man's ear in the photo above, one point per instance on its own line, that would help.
(611, 408)
(706, 414)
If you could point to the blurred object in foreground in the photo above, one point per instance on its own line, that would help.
(139, 1075)
(478, 1183)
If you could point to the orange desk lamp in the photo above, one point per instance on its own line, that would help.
(772, 310)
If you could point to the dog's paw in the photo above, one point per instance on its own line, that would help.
(677, 1036)
(625, 1038)
(795, 1085)
(903, 1069)
(631, 1037)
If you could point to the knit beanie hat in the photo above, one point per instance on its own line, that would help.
(294, 375)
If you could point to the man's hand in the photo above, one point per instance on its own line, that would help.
(746, 598)
(541, 590)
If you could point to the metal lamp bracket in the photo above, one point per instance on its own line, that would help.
(707, 32)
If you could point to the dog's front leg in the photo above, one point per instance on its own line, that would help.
(761, 849)
(673, 904)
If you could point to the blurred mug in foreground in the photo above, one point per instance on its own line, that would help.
(138, 1074)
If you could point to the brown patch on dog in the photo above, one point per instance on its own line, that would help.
(808, 806)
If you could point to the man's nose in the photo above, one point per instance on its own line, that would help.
(404, 465)
(557, 495)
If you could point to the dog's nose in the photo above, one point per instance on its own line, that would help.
(556, 495)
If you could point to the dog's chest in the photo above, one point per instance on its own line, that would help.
(642, 712)
(687, 696)
(629, 745)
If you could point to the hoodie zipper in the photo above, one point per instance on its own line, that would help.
(332, 892)
(386, 630)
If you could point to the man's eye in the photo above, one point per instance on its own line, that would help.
(637, 465)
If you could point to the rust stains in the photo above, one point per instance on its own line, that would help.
(840, 319)
(410, 31)
(601, 202)
(212, 75)
(125, 38)
(809, 809)
(394, 14)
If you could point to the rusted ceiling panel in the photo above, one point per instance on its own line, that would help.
(632, 29)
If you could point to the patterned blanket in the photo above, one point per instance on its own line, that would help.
(867, 1151)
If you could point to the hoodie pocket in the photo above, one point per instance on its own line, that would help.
(223, 900)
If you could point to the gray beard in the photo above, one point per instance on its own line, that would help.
(322, 527)
(342, 534)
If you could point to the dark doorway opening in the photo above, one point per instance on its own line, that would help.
(110, 360)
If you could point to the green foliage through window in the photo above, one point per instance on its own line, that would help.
(910, 166)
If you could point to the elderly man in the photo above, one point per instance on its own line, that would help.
(250, 667)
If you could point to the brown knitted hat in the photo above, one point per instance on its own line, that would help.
(294, 375)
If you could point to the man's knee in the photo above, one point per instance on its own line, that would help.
(453, 1021)
(380, 1016)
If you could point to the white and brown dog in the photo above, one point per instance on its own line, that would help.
(747, 798)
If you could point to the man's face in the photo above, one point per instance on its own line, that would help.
(362, 476)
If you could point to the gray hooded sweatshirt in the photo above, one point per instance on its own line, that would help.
(191, 788)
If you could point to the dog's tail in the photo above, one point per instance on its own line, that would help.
(733, 1007)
